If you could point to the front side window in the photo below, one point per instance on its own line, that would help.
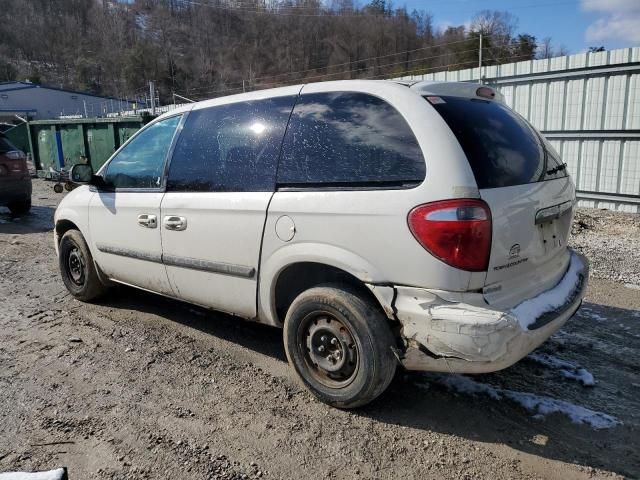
(140, 163)
(348, 139)
(230, 148)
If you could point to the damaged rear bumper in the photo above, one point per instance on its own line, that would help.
(460, 332)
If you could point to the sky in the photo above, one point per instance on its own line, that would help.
(575, 24)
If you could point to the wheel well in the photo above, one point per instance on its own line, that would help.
(298, 277)
(63, 226)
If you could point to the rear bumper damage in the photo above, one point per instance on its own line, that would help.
(460, 332)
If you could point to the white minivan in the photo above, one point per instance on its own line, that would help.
(378, 223)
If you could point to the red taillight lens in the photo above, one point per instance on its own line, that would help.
(458, 232)
(15, 162)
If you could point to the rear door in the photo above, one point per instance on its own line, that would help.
(221, 179)
(526, 186)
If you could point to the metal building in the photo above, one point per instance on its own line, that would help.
(39, 102)
(588, 106)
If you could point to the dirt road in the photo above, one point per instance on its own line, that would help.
(140, 386)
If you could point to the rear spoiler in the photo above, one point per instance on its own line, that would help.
(458, 89)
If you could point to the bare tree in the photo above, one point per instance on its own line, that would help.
(114, 47)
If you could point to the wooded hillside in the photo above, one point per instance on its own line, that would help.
(208, 48)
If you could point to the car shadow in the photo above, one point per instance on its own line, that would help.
(38, 220)
(263, 339)
(416, 402)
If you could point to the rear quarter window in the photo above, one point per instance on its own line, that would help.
(502, 148)
(349, 139)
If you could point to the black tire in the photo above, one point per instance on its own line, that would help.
(21, 207)
(366, 362)
(77, 268)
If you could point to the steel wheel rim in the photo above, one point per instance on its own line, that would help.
(76, 266)
(330, 352)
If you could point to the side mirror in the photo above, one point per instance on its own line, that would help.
(81, 173)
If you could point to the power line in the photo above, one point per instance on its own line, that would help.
(421, 70)
(371, 58)
(387, 64)
(343, 72)
(430, 47)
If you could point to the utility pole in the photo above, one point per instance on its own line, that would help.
(152, 91)
(84, 102)
(480, 60)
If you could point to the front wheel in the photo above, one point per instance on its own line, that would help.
(340, 345)
(77, 268)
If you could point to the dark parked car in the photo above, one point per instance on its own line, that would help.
(15, 180)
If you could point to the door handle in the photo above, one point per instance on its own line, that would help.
(176, 223)
(146, 220)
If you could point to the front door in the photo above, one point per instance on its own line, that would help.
(124, 218)
(221, 179)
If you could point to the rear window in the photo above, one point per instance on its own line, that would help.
(350, 140)
(6, 145)
(502, 148)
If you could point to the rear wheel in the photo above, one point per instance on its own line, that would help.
(340, 345)
(21, 207)
(77, 268)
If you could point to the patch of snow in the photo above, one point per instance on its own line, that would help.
(567, 369)
(545, 406)
(462, 384)
(538, 405)
(587, 312)
(530, 310)
(57, 474)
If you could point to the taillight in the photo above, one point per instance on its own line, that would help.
(458, 232)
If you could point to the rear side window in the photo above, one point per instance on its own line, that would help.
(502, 148)
(230, 148)
(349, 139)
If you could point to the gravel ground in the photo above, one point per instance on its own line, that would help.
(611, 242)
(140, 386)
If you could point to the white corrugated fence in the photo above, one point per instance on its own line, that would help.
(588, 106)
